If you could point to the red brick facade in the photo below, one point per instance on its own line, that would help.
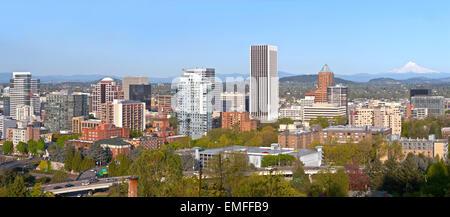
(104, 131)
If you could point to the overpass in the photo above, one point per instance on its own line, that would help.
(101, 184)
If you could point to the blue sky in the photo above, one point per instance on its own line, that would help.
(159, 38)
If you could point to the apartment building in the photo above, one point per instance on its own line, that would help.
(104, 131)
(230, 120)
(430, 147)
(104, 92)
(377, 116)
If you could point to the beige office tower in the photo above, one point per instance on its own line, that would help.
(127, 81)
(264, 83)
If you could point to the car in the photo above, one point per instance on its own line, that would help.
(86, 183)
(269, 168)
(69, 185)
(92, 170)
(57, 187)
(110, 179)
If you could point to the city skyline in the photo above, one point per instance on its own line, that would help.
(157, 39)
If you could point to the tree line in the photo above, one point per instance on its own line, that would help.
(31, 147)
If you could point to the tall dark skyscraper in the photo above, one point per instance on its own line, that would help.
(419, 92)
(141, 92)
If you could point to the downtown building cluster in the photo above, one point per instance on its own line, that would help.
(111, 111)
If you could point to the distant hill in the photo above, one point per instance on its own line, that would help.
(5, 78)
(379, 80)
(392, 78)
(384, 81)
(312, 79)
(365, 77)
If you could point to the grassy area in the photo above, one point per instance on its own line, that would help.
(43, 172)
(33, 162)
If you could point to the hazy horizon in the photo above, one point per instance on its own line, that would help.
(160, 38)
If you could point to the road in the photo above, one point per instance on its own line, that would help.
(77, 185)
(88, 174)
(18, 163)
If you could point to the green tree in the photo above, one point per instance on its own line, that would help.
(99, 154)
(118, 190)
(437, 180)
(152, 166)
(330, 184)
(87, 163)
(135, 133)
(339, 120)
(18, 189)
(40, 145)
(44, 165)
(265, 186)
(375, 173)
(8, 147)
(323, 122)
(61, 140)
(112, 169)
(37, 191)
(69, 159)
(225, 170)
(124, 164)
(59, 176)
(394, 151)
(280, 159)
(300, 180)
(22, 147)
(76, 163)
(269, 135)
(32, 146)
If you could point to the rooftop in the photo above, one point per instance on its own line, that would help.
(353, 128)
(258, 150)
(113, 141)
(325, 68)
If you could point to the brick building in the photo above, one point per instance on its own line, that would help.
(79, 123)
(325, 79)
(146, 142)
(430, 147)
(104, 131)
(116, 145)
(104, 92)
(446, 133)
(241, 119)
(302, 138)
(22, 133)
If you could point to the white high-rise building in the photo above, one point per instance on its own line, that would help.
(24, 113)
(264, 100)
(24, 90)
(196, 96)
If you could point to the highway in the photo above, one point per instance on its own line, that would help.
(77, 185)
(88, 174)
(18, 163)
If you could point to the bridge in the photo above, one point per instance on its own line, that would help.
(78, 187)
